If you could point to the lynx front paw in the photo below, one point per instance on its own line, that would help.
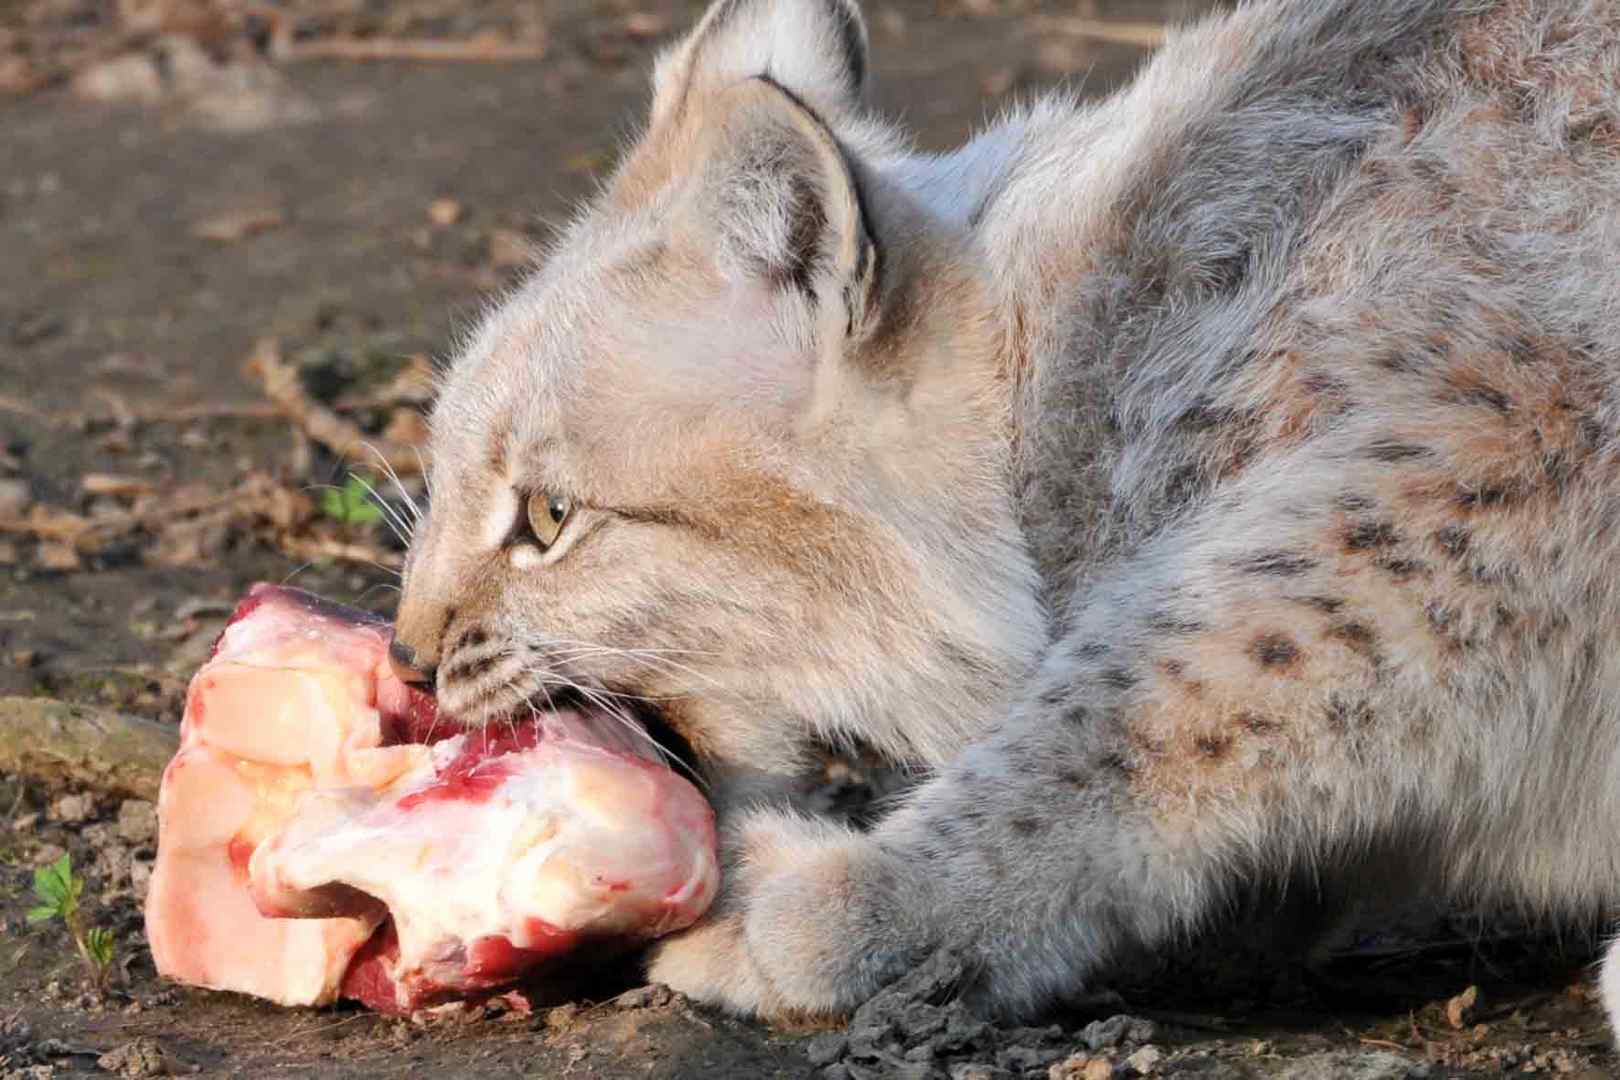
(710, 963)
(823, 919)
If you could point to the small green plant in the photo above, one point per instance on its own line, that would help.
(58, 890)
(351, 504)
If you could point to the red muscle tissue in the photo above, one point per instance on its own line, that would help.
(323, 833)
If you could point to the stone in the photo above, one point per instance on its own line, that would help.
(137, 821)
(826, 1048)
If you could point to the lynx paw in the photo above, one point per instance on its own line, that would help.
(710, 963)
(823, 925)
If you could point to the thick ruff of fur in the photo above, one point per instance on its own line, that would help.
(1208, 486)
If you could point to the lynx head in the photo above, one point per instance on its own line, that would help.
(735, 457)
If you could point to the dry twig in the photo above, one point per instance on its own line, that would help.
(321, 423)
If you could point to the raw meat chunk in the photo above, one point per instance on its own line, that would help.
(323, 832)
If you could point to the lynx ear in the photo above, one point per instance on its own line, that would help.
(814, 49)
(779, 204)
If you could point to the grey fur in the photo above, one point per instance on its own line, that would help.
(1306, 346)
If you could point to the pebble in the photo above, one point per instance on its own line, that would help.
(137, 821)
(826, 1048)
(141, 1057)
(1109, 1033)
(15, 497)
(73, 808)
(1355, 1065)
(1146, 1060)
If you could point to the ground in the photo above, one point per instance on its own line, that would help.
(188, 184)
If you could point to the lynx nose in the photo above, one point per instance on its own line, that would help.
(407, 665)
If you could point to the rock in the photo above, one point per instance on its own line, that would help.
(137, 821)
(976, 1071)
(644, 997)
(15, 497)
(826, 1048)
(1146, 1061)
(1462, 1009)
(72, 808)
(140, 875)
(142, 1057)
(1025, 1058)
(1353, 1065)
(1109, 1033)
(1082, 1067)
(58, 742)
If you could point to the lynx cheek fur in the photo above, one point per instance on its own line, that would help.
(1210, 484)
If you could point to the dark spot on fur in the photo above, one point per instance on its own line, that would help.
(1358, 637)
(1348, 714)
(1558, 469)
(1325, 604)
(1485, 395)
(1486, 498)
(1027, 825)
(1079, 716)
(1367, 535)
(1183, 484)
(1398, 362)
(1279, 563)
(472, 638)
(1054, 697)
(1173, 667)
(1251, 721)
(1353, 503)
(1453, 540)
(1114, 763)
(1072, 777)
(1274, 650)
(1401, 568)
(472, 669)
(1166, 622)
(1091, 650)
(1117, 678)
(1213, 747)
(1391, 451)
(1203, 415)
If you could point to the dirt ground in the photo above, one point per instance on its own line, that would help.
(330, 187)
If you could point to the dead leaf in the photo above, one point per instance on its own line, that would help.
(57, 555)
(1462, 1009)
(234, 225)
(444, 212)
(122, 487)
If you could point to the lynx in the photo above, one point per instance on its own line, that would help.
(1211, 484)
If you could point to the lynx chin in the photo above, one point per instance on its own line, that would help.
(1208, 486)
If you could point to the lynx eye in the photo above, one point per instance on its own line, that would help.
(547, 513)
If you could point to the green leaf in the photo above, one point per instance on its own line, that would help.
(99, 943)
(41, 914)
(351, 504)
(54, 884)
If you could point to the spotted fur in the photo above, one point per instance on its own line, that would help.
(1209, 484)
